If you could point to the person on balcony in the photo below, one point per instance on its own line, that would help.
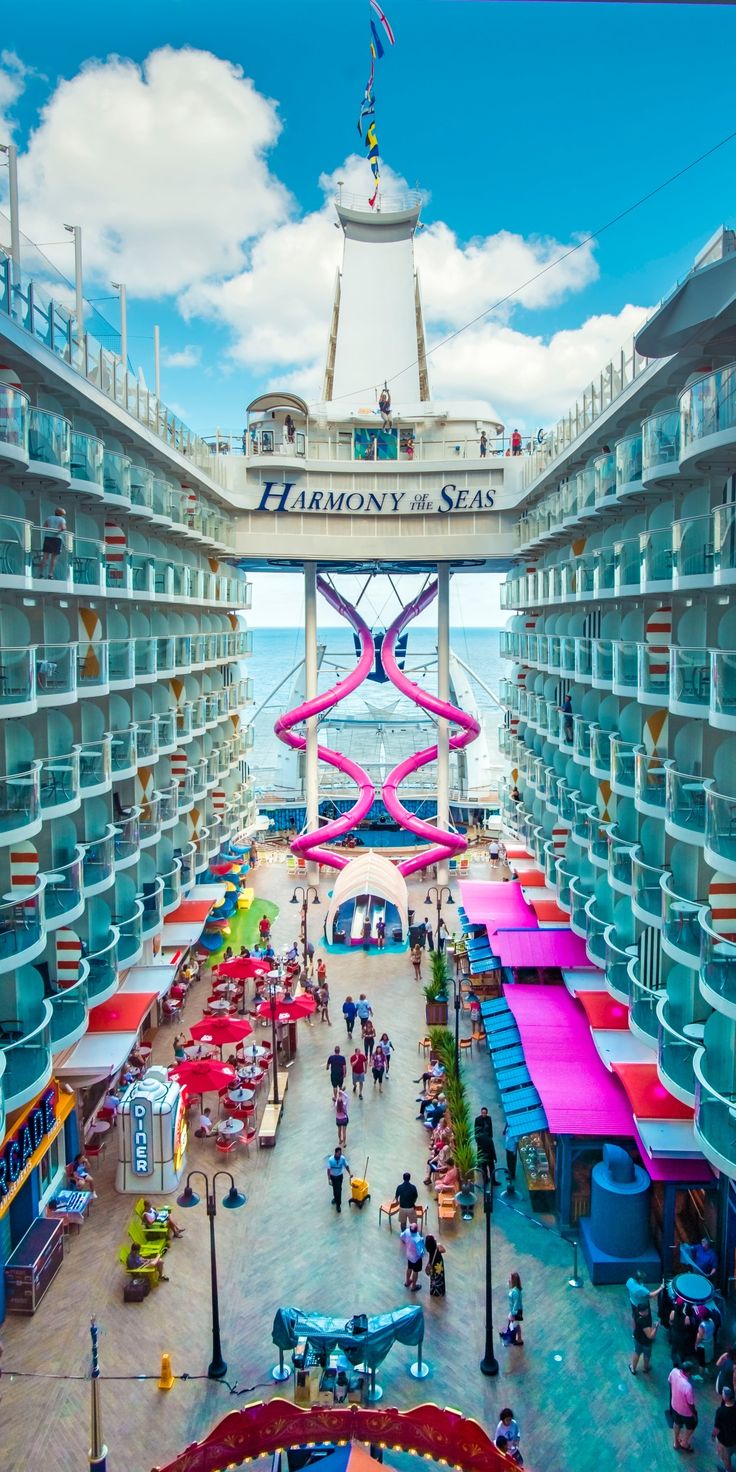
(516, 442)
(483, 445)
(289, 427)
(54, 526)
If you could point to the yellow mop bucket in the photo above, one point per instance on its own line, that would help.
(360, 1191)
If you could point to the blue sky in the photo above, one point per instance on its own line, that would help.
(540, 120)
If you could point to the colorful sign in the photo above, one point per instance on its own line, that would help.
(141, 1129)
(286, 496)
(28, 1140)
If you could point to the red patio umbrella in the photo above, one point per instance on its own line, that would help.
(241, 967)
(204, 1075)
(221, 1030)
(291, 1008)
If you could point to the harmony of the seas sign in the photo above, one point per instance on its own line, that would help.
(286, 496)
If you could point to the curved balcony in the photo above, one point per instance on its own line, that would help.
(98, 869)
(22, 935)
(617, 965)
(680, 926)
(595, 938)
(56, 674)
(161, 505)
(629, 466)
(565, 806)
(677, 1044)
(124, 752)
(620, 856)
(598, 846)
(626, 668)
(165, 663)
(720, 829)
(49, 447)
(689, 681)
(723, 549)
(627, 565)
(141, 491)
(656, 559)
(149, 822)
(147, 741)
(623, 772)
(723, 689)
(87, 464)
(27, 1056)
(583, 663)
(643, 1000)
(602, 664)
(152, 916)
(581, 821)
(17, 681)
(63, 899)
(172, 888)
(646, 893)
(95, 766)
(116, 478)
(715, 1118)
(660, 447)
(600, 753)
(717, 967)
(130, 938)
(654, 674)
(167, 805)
(649, 782)
(14, 407)
(185, 793)
(604, 467)
(167, 733)
(685, 806)
(20, 805)
(692, 552)
(186, 856)
(708, 419)
(92, 675)
(102, 980)
(121, 671)
(90, 571)
(201, 854)
(69, 1013)
(144, 659)
(604, 572)
(127, 840)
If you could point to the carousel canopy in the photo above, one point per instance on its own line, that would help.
(369, 873)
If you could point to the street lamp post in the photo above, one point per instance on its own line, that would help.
(489, 1363)
(76, 231)
(11, 152)
(218, 1366)
(273, 988)
(442, 892)
(308, 892)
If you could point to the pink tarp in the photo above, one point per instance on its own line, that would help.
(494, 905)
(561, 948)
(579, 1095)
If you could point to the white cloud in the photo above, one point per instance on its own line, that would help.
(13, 73)
(163, 165)
(186, 357)
(458, 281)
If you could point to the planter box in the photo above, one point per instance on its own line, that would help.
(436, 1014)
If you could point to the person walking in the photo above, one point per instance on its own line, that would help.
(406, 1195)
(323, 1002)
(413, 1244)
(321, 971)
(429, 933)
(512, 1333)
(512, 1150)
(381, 933)
(336, 1067)
(682, 1402)
(442, 934)
(342, 1118)
(336, 1166)
(363, 1009)
(508, 1430)
(483, 446)
(645, 1333)
(349, 1012)
(705, 1340)
(369, 1037)
(388, 1049)
(378, 1067)
(724, 1429)
(725, 1365)
(416, 960)
(358, 1065)
(435, 1268)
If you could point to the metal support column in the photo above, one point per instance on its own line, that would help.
(443, 690)
(11, 152)
(311, 775)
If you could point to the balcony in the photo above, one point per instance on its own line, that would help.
(580, 896)
(717, 967)
(161, 503)
(56, 674)
(144, 659)
(661, 447)
(167, 805)
(625, 668)
(152, 917)
(654, 674)
(600, 753)
(171, 881)
(184, 721)
(49, 447)
(64, 893)
(604, 467)
(98, 870)
(623, 778)
(22, 935)
(627, 566)
(715, 1117)
(95, 766)
(723, 552)
(102, 980)
(643, 1002)
(646, 897)
(165, 663)
(90, 571)
(60, 785)
(167, 734)
(124, 752)
(617, 965)
(685, 805)
(27, 1056)
(14, 406)
(130, 939)
(723, 689)
(141, 491)
(689, 681)
(629, 466)
(681, 934)
(185, 792)
(116, 478)
(692, 552)
(121, 672)
(17, 681)
(147, 741)
(127, 840)
(708, 419)
(595, 940)
(87, 464)
(150, 820)
(602, 664)
(186, 860)
(69, 1013)
(649, 782)
(656, 559)
(720, 829)
(598, 847)
(20, 805)
(677, 1043)
(620, 861)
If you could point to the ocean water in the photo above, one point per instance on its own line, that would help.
(276, 652)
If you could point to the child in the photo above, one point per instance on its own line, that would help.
(508, 1430)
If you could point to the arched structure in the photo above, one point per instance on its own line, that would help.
(369, 873)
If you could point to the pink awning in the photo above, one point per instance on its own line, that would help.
(495, 904)
(578, 1094)
(529, 948)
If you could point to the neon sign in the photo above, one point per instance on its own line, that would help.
(21, 1145)
(141, 1129)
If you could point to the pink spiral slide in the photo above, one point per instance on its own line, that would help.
(446, 844)
(307, 844)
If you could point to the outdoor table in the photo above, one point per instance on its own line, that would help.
(70, 1207)
(256, 1051)
(218, 1006)
(240, 1096)
(724, 954)
(197, 1050)
(230, 1127)
(252, 1072)
(99, 1127)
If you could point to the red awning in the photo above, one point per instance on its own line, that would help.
(122, 1013)
(603, 1012)
(647, 1096)
(190, 911)
(548, 912)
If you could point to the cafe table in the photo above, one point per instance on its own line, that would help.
(240, 1096)
(222, 1006)
(256, 1051)
(251, 1072)
(230, 1127)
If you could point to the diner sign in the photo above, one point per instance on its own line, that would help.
(287, 496)
(27, 1142)
(141, 1124)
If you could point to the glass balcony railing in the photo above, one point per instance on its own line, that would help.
(598, 846)
(654, 671)
(617, 965)
(64, 893)
(116, 475)
(720, 824)
(69, 1013)
(182, 652)
(121, 664)
(655, 551)
(675, 1050)
(722, 553)
(717, 963)
(87, 459)
(56, 671)
(690, 677)
(595, 940)
(20, 803)
(643, 1001)
(186, 859)
(127, 844)
(95, 763)
(660, 449)
(48, 555)
(602, 662)
(152, 917)
(692, 548)
(49, 439)
(99, 862)
(628, 464)
(165, 662)
(680, 921)
(150, 819)
(715, 1112)
(583, 659)
(649, 778)
(147, 740)
(60, 782)
(124, 750)
(605, 477)
(708, 407)
(141, 487)
(92, 668)
(722, 685)
(167, 803)
(623, 774)
(184, 722)
(103, 969)
(185, 791)
(580, 896)
(646, 889)
(171, 888)
(89, 569)
(14, 409)
(626, 667)
(620, 859)
(627, 565)
(21, 925)
(199, 713)
(167, 734)
(685, 803)
(27, 1056)
(130, 938)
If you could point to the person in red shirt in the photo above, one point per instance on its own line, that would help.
(358, 1064)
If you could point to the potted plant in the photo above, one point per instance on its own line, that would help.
(435, 992)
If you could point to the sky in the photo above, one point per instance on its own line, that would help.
(199, 147)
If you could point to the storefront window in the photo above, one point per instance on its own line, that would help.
(49, 1167)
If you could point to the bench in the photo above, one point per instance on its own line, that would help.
(271, 1117)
